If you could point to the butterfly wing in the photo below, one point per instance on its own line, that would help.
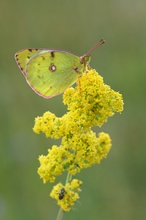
(49, 72)
(23, 56)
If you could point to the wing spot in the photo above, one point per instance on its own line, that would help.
(20, 66)
(32, 49)
(52, 67)
(40, 77)
(52, 53)
(76, 69)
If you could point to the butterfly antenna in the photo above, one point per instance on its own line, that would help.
(102, 41)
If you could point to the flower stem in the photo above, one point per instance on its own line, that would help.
(68, 178)
(60, 214)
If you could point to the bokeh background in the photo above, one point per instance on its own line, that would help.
(115, 189)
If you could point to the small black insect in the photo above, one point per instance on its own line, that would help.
(62, 193)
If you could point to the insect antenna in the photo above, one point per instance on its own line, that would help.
(102, 41)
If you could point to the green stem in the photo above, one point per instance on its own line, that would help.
(60, 214)
(68, 178)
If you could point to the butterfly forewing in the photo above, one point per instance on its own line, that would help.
(23, 56)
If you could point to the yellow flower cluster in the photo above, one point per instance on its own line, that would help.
(89, 104)
(66, 195)
(80, 151)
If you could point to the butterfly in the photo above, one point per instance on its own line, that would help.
(49, 72)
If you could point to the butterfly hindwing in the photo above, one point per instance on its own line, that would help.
(49, 72)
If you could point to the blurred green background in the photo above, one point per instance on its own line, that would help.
(115, 189)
